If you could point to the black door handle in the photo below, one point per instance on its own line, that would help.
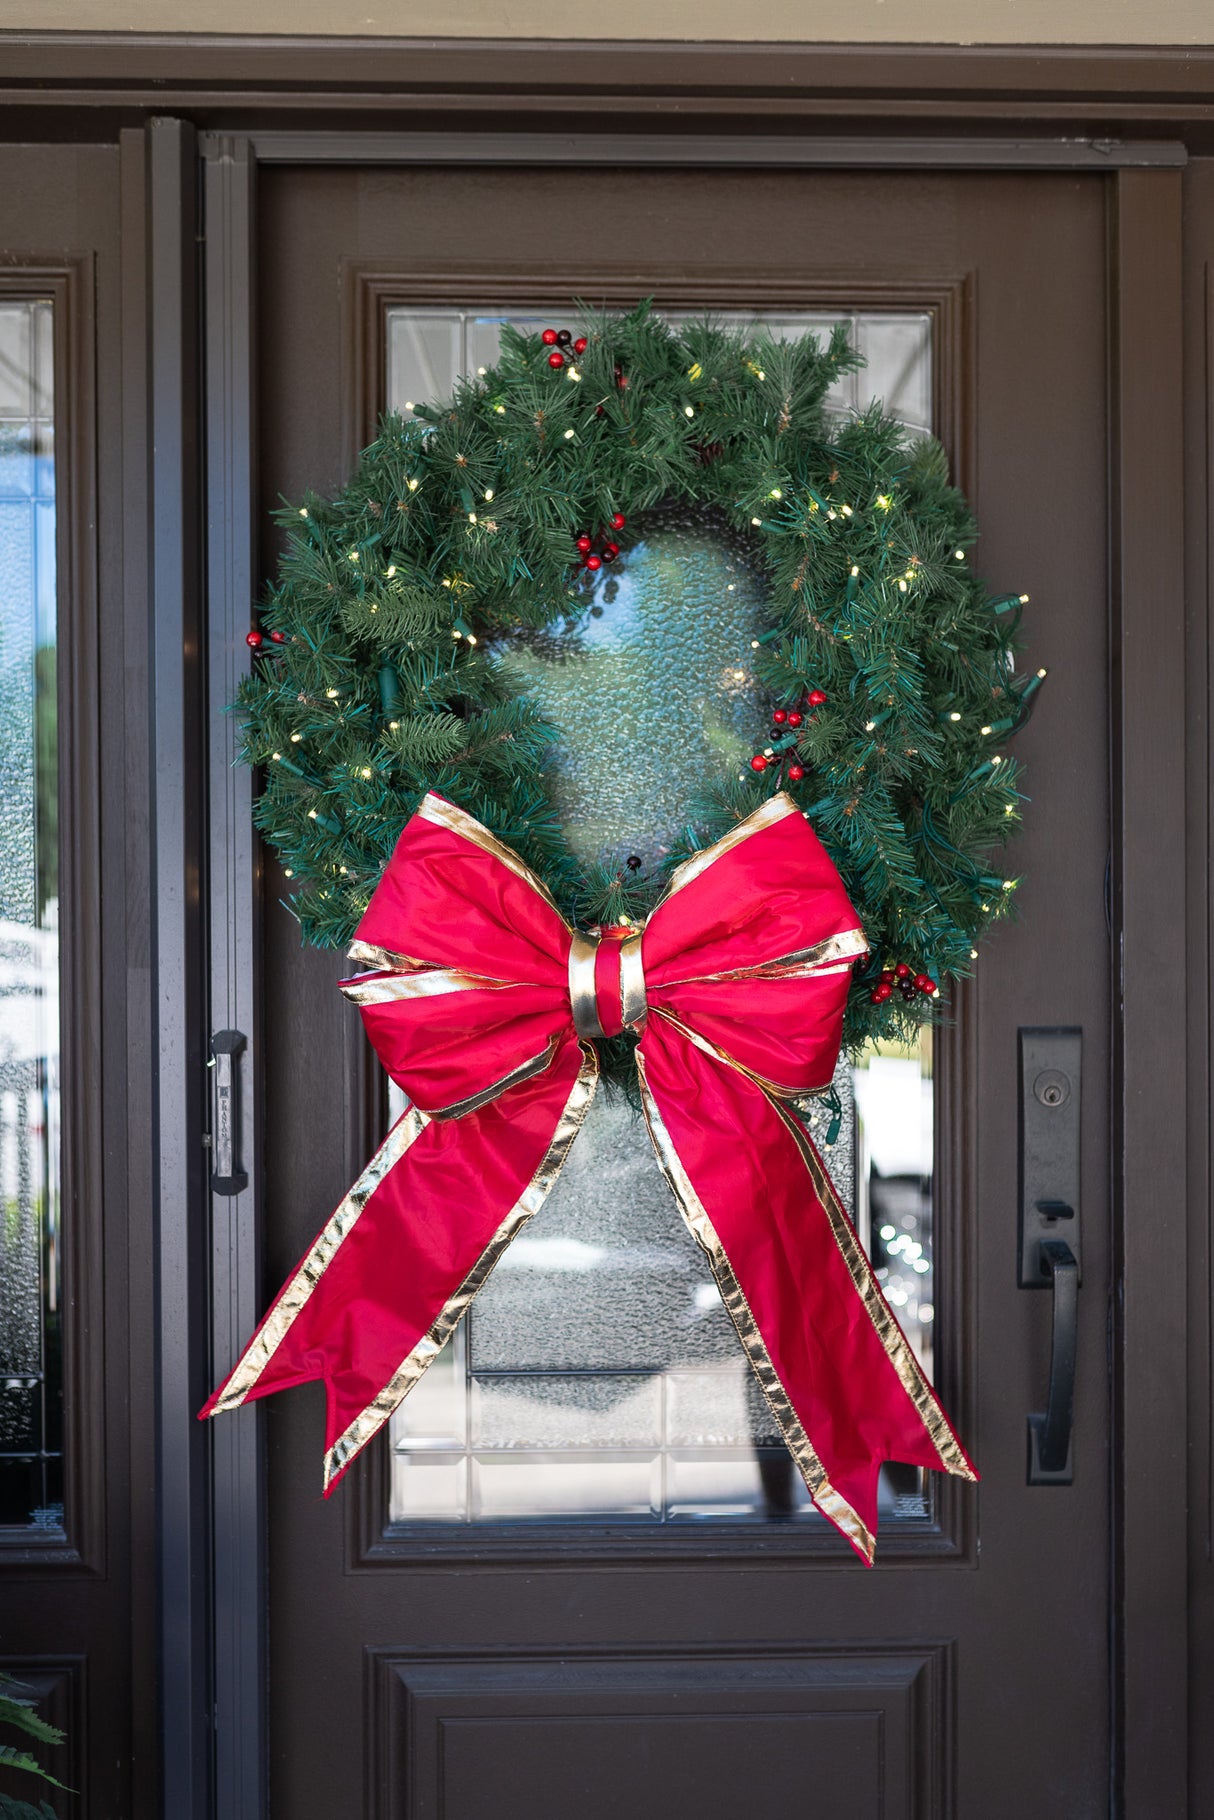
(1050, 1434)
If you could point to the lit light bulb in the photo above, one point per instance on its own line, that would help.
(332, 694)
(954, 715)
(311, 815)
(568, 435)
(984, 729)
(776, 493)
(846, 511)
(500, 409)
(414, 483)
(869, 725)
(855, 568)
(883, 500)
(366, 771)
(295, 738)
(303, 511)
(287, 872)
(1024, 600)
(756, 521)
(409, 405)
(960, 555)
(472, 518)
(390, 571)
(901, 587)
(689, 410)
(342, 870)
(574, 375)
(393, 726)
(488, 494)
(353, 555)
(277, 755)
(480, 372)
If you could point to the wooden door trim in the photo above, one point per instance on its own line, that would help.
(948, 1534)
(1150, 1002)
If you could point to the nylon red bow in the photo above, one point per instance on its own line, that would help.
(482, 1003)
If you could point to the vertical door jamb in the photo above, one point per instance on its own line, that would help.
(238, 1490)
(1147, 681)
(177, 818)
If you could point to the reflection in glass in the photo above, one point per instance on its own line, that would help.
(598, 1377)
(31, 1386)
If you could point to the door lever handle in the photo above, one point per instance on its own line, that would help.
(1050, 1460)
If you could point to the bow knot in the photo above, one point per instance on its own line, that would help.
(607, 981)
(483, 1004)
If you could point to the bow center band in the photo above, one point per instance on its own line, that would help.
(606, 981)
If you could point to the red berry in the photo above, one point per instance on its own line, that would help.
(796, 773)
(887, 976)
(585, 544)
(795, 719)
(279, 638)
(926, 984)
(758, 762)
(555, 359)
(880, 993)
(549, 338)
(902, 971)
(611, 549)
(599, 411)
(594, 562)
(817, 697)
(609, 555)
(618, 521)
(780, 715)
(579, 346)
(253, 640)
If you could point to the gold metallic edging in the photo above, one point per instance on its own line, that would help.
(846, 947)
(427, 1349)
(897, 1346)
(434, 982)
(772, 1089)
(634, 1004)
(831, 1502)
(774, 810)
(583, 998)
(524, 1072)
(457, 821)
(274, 1329)
(385, 960)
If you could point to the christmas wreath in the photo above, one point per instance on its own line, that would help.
(891, 671)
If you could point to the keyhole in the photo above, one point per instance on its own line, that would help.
(1052, 1087)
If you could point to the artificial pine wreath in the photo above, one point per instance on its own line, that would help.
(890, 669)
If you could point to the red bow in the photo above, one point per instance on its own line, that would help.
(482, 1004)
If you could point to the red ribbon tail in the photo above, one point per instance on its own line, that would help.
(837, 1370)
(376, 1297)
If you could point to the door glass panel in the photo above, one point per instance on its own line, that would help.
(598, 1376)
(31, 1383)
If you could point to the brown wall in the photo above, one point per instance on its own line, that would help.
(1177, 22)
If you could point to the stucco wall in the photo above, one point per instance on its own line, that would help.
(778, 21)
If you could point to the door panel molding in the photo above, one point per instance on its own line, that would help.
(890, 1705)
(949, 1533)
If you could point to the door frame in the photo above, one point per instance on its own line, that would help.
(1148, 670)
(263, 102)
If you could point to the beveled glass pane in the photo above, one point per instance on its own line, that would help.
(31, 1381)
(598, 1369)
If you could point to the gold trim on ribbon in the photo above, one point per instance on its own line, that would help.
(457, 821)
(427, 1349)
(824, 956)
(536, 1064)
(897, 1346)
(384, 960)
(765, 816)
(436, 982)
(583, 999)
(634, 1003)
(831, 1502)
(277, 1324)
(772, 1089)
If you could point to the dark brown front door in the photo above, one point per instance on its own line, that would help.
(485, 1623)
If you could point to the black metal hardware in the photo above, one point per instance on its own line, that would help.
(227, 1177)
(1050, 1096)
(1050, 1093)
(1050, 1461)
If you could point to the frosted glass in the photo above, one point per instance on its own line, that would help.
(31, 1385)
(598, 1375)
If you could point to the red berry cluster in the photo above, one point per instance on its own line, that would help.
(781, 720)
(607, 550)
(254, 639)
(910, 984)
(563, 345)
